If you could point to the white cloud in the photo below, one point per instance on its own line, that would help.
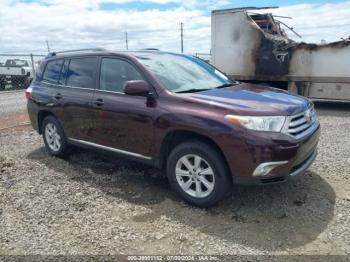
(76, 24)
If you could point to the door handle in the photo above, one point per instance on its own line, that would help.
(99, 102)
(58, 96)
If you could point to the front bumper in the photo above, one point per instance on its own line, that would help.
(300, 168)
(278, 178)
(295, 156)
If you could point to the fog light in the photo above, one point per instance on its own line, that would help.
(265, 168)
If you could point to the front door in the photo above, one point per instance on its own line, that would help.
(122, 122)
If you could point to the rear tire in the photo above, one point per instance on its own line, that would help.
(54, 137)
(198, 173)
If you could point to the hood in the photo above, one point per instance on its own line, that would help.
(250, 99)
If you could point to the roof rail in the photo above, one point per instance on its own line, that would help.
(76, 50)
(151, 49)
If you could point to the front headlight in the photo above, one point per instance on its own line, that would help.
(258, 123)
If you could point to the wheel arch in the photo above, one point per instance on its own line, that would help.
(175, 137)
(42, 114)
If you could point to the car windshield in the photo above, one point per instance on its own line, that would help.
(181, 74)
(16, 63)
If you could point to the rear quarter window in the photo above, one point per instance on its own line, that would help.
(40, 71)
(52, 71)
(64, 72)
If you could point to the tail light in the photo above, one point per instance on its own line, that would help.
(28, 92)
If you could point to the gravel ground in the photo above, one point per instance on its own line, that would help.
(13, 109)
(95, 204)
(12, 101)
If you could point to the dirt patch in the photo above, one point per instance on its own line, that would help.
(14, 119)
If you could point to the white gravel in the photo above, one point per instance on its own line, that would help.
(12, 101)
(94, 204)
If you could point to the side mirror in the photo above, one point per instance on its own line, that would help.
(136, 88)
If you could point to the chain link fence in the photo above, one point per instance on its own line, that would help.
(17, 70)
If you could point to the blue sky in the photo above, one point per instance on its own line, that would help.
(141, 5)
(172, 4)
(70, 24)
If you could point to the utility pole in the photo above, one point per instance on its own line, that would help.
(182, 36)
(47, 45)
(126, 41)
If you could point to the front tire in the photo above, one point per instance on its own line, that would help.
(54, 137)
(198, 173)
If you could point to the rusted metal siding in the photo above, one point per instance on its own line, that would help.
(269, 60)
(234, 39)
(242, 49)
(330, 60)
(335, 91)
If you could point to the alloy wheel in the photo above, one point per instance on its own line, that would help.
(195, 176)
(53, 139)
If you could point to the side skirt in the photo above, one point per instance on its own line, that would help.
(130, 155)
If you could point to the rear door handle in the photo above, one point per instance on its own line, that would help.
(58, 96)
(99, 102)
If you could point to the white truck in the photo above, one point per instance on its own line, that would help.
(15, 72)
(254, 47)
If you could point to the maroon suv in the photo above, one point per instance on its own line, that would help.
(174, 112)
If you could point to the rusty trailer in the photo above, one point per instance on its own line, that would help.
(254, 47)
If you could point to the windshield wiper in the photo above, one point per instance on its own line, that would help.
(226, 85)
(193, 90)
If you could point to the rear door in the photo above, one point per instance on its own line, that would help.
(45, 92)
(122, 122)
(77, 84)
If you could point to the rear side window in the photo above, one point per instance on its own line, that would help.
(114, 74)
(64, 72)
(39, 72)
(52, 71)
(81, 72)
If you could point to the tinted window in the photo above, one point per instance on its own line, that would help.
(64, 72)
(40, 70)
(52, 71)
(16, 63)
(114, 74)
(81, 72)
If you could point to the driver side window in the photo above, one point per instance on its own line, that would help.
(114, 74)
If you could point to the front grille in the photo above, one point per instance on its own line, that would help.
(300, 124)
